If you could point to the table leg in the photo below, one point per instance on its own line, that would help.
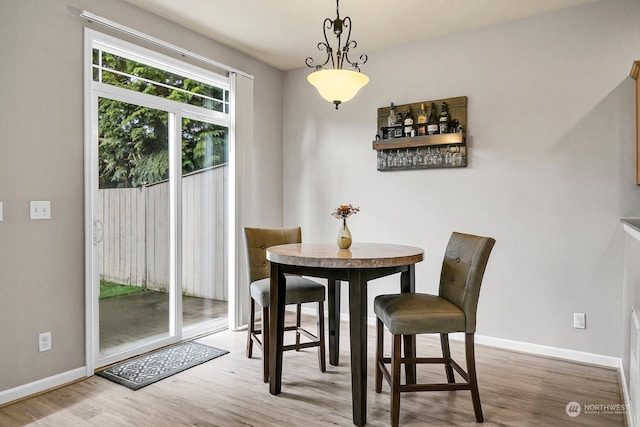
(408, 285)
(334, 321)
(276, 328)
(358, 328)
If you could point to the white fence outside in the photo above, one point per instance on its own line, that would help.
(135, 247)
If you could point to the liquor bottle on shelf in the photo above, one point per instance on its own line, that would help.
(422, 121)
(432, 124)
(454, 126)
(391, 121)
(443, 121)
(408, 125)
(398, 128)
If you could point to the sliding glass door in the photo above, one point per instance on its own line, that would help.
(157, 200)
(204, 225)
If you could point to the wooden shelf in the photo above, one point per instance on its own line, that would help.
(419, 141)
(437, 146)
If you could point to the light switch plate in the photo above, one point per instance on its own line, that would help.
(0, 211)
(40, 209)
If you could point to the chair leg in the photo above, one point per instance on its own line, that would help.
(321, 348)
(473, 380)
(251, 327)
(298, 322)
(410, 352)
(446, 354)
(395, 380)
(379, 354)
(265, 344)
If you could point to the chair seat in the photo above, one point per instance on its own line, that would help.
(410, 314)
(299, 290)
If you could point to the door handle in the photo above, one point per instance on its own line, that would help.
(98, 231)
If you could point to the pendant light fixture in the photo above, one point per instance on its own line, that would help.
(337, 84)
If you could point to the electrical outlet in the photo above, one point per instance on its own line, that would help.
(579, 320)
(44, 341)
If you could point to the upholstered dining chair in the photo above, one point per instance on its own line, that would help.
(299, 290)
(452, 310)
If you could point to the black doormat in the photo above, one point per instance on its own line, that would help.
(144, 370)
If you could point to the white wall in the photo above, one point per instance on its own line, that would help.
(551, 133)
(41, 158)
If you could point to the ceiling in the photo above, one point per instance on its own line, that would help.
(283, 33)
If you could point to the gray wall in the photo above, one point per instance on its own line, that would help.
(551, 133)
(41, 158)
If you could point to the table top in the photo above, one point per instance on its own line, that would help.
(359, 255)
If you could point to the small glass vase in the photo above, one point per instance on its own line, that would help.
(344, 236)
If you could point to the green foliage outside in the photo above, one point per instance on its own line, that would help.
(112, 289)
(133, 140)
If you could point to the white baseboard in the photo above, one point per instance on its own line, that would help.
(522, 347)
(624, 390)
(39, 386)
(544, 350)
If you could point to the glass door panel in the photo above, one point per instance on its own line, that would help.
(204, 227)
(133, 214)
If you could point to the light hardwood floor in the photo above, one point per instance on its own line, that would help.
(515, 389)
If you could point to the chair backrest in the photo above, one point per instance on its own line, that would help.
(462, 270)
(256, 242)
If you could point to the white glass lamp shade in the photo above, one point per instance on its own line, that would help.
(337, 86)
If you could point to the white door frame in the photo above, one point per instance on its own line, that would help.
(94, 90)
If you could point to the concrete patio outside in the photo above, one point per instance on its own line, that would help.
(141, 317)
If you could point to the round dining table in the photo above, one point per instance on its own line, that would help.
(357, 265)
